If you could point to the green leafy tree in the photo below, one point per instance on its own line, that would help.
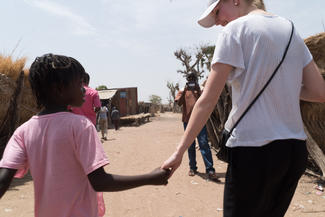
(154, 99)
(102, 87)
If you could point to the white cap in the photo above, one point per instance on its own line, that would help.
(208, 19)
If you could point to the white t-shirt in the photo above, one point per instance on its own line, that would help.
(103, 113)
(254, 46)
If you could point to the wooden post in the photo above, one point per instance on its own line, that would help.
(315, 152)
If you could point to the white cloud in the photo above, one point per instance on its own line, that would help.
(80, 24)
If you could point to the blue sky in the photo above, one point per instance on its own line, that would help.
(126, 43)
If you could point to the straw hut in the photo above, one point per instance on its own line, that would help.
(9, 73)
(17, 101)
(313, 114)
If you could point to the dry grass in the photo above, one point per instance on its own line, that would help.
(10, 67)
(9, 71)
(314, 113)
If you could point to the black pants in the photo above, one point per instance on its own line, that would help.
(116, 124)
(261, 181)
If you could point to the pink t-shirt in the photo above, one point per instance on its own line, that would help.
(91, 101)
(60, 149)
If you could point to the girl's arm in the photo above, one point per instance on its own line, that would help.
(6, 176)
(313, 88)
(104, 182)
(201, 112)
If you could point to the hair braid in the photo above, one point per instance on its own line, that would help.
(49, 70)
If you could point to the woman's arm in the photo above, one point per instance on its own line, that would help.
(313, 88)
(205, 104)
(179, 98)
(201, 112)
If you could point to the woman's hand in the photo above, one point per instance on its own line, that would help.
(173, 162)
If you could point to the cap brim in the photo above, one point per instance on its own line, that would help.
(207, 19)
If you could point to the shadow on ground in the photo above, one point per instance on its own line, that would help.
(20, 181)
(218, 181)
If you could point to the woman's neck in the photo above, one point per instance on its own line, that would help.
(259, 11)
(50, 109)
(246, 9)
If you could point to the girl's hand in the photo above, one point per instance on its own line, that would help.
(159, 176)
(172, 163)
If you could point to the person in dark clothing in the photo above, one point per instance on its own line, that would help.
(115, 115)
(187, 99)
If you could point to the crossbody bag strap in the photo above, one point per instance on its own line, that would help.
(267, 83)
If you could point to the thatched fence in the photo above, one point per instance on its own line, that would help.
(17, 101)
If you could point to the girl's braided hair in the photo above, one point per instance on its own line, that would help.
(49, 70)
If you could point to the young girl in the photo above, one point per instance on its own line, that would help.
(62, 149)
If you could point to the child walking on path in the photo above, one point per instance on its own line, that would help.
(62, 149)
(103, 121)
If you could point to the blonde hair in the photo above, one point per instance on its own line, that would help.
(257, 3)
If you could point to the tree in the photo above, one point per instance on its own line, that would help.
(172, 93)
(102, 87)
(154, 99)
(203, 56)
(207, 54)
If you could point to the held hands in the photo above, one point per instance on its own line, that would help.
(159, 176)
(173, 162)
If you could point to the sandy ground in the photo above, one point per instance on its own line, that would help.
(134, 150)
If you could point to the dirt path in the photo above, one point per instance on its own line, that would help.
(134, 150)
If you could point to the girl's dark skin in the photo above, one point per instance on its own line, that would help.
(61, 96)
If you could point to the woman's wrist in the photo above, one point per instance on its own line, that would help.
(180, 150)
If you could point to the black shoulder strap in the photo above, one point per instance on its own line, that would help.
(267, 83)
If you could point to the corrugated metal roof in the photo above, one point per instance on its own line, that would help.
(106, 94)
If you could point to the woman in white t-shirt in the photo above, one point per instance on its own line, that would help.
(267, 148)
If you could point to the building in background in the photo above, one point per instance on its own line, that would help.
(124, 99)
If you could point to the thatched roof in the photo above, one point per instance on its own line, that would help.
(106, 94)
